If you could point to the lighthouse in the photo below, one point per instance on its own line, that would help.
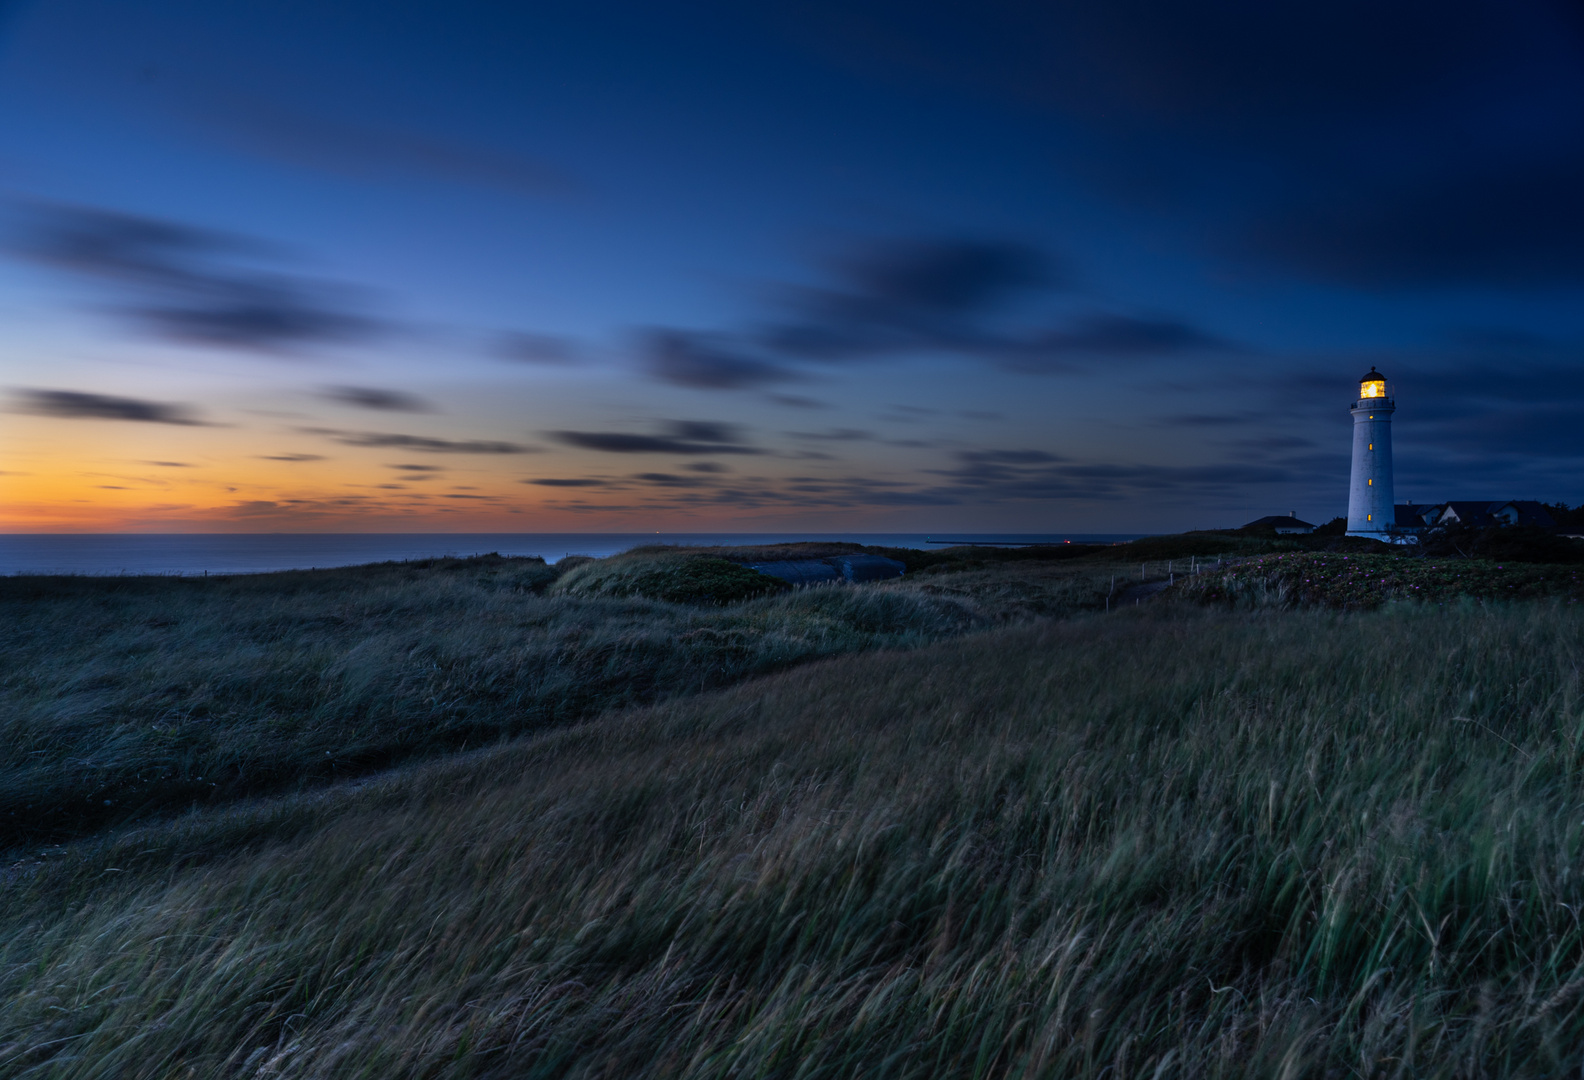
(1370, 504)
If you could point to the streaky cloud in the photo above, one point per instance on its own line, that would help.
(916, 297)
(421, 442)
(189, 284)
(694, 438)
(834, 435)
(369, 397)
(78, 405)
(906, 294)
(669, 480)
(708, 362)
(620, 442)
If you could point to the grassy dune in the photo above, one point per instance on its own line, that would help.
(121, 697)
(1167, 842)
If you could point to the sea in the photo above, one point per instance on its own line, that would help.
(254, 553)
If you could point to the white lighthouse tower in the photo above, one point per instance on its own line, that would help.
(1370, 506)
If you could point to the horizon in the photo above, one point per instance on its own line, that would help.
(188, 554)
(872, 268)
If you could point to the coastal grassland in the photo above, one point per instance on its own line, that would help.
(1175, 841)
(121, 697)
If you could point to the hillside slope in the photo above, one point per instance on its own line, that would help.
(122, 698)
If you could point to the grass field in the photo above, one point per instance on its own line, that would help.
(1168, 842)
(1261, 837)
(121, 697)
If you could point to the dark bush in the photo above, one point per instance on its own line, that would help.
(671, 578)
(1507, 544)
(536, 577)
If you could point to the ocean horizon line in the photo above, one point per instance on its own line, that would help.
(111, 554)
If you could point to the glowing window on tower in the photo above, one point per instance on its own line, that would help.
(1372, 388)
(1372, 446)
(1369, 517)
(1372, 483)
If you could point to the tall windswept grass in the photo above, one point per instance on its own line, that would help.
(1164, 843)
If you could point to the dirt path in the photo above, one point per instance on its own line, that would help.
(1138, 592)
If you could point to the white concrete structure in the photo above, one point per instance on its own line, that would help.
(1371, 511)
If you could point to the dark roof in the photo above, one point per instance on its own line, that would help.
(1530, 512)
(1412, 515)
(1276, 521)
(1486, 511)
(1470, 509)
(1372, 375)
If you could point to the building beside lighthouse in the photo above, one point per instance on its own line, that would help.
(1371, 511)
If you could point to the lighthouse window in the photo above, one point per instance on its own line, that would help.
(1373, 388)
(1371, 483)
(1369, 517)
(1372, 446)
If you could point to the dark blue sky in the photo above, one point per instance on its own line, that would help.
(1057, 266)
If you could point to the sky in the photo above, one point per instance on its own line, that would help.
(1065, 266)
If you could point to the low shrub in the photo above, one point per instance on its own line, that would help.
(535, 576)
(1506, 544)
(1366, 581)
(1202, 544)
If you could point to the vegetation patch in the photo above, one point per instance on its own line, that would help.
(1503, 544)
(1366, 581)
(674, 577)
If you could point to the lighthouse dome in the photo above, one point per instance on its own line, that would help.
(1372, 376)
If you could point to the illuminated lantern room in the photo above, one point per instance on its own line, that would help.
(1372, 385)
